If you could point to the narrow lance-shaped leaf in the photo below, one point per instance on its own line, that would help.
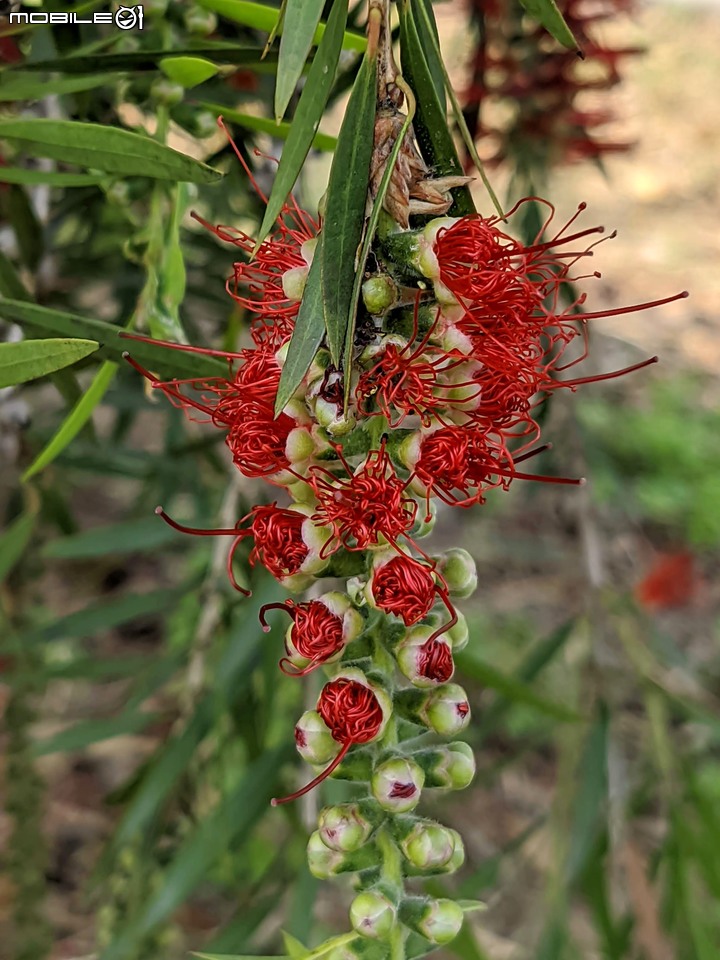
(105, 148)
(281, 131)
(135, 60)
(21, 85)
(547, 13)
(308, 114)
(299, 25)
(30, 359)
(431, 127)
(14, 541)
(307, 335)
(346, 202)
(51, 178)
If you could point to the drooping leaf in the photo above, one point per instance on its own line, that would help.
(547, 13)
(321, 141)
(299, 26)
(118, 538)
(307, 335)
(19, 85)
(30, 359)
(14, 540)
(303, 130)
(75, 421)
(345, 210)
(265, 18)
(83, 734)
(106, 148)
(154, 355)
(188, 71)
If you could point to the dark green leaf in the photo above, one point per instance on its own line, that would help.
(103, 616)
(430, 40)
(321, 141)
(345, 212)
(129, 537)
(16, 207)
(154, 355)
(11, 285)
(299, 25)
(303, 129)
(147, 60)
(547, 13)
(30, 359)
(52, 178)
(18, 85)
(14, 540)
(590, 799)
(307, 335)
(188, 71)
(93, 731)
(105, 148)
(431, 126)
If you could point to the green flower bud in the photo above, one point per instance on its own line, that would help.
(200, 22)
(372, 915)
(379, 294)
(459, 572)
(424, 661)
(313, 739)
(439, 921)
(343, 827)
(446, 710)
(449, 766)
(293, 282)
(324, 863)
(428, 845)
(166, 92)
(397, 784)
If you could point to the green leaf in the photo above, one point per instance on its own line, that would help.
(133, 536)
(52, 178)
(298, 29)
(308, 115)
(103, 616)
(547, 13)
(83, 734)
(10, 283)
(511, 688)
(16, 207)
(471, 906)
(14, 540)
(188, 71)
(345, 212)
(265, 18)
(225, 827)
(19, 85)
(283, 130)
(592, 780)
(105, 148)
(75, 421)
(148, 60)
(306, 337)
(431, 126)
(296, 950)
(154, 355)
(30, 359)
(239, 956)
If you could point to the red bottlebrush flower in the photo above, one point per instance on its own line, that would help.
(425, 656)
(404, 587)
(435, 662)
(354, 712)
(368, 504)
(285, 541)
(671, 582)
(319, 632)
(274, 278)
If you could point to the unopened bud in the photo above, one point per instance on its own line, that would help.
(446, 710)
(294, 281)
(397, 783)
(372, 915)
(313, 739)
(379, 294)
(439, 921)
(166, 92)
(343, 827)
(324, 863)
(428, 845)
(425, 660)
(448, 766)
(459, 571)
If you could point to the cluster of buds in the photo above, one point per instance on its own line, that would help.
(534, 100)
(460, 334)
